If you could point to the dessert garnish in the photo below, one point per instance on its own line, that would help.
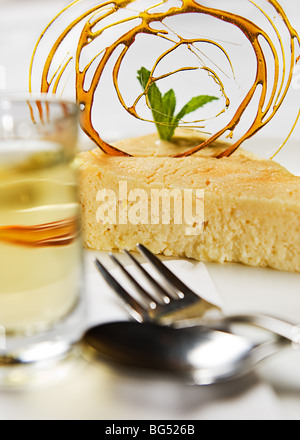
(163, 106)
(106, 35)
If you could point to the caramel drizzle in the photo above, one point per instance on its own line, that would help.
(60, 233)
(267, 108)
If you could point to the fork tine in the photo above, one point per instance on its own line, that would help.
(136, 310)
(180, 288)
(139, 289)
(165, 296)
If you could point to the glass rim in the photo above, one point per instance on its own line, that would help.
(35, 97)
(45, 113)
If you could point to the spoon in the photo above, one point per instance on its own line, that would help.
(198, 354)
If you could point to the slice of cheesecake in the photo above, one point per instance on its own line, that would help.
(238, 209)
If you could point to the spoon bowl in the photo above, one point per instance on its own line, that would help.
(197, 354)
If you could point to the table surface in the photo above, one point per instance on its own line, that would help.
(94, 391)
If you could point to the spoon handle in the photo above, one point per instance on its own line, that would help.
(286, 330)
(279, 327)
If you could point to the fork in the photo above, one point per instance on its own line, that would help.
(172, 302)
(164, 304)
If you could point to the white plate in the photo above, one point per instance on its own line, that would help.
(242, 289)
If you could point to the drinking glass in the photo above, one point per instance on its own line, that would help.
(41, 272)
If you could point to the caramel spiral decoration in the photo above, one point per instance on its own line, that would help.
(267, 91)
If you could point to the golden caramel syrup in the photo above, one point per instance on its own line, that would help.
(268, 103)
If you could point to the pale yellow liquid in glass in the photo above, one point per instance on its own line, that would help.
(40, 246)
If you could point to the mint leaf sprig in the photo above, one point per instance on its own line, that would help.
(163, 106)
